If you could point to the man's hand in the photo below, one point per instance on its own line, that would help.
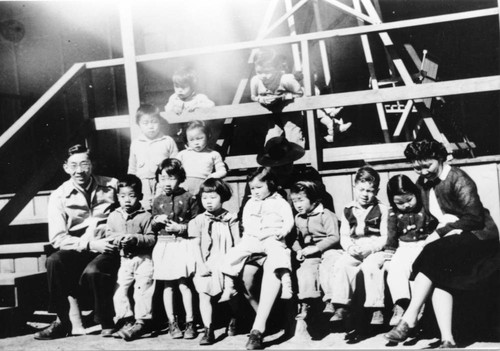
(129, 241)
(103, 245)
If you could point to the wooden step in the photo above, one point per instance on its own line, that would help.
(31, 257)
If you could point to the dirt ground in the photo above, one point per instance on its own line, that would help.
(275, 340)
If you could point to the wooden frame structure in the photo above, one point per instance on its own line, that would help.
(308, 103)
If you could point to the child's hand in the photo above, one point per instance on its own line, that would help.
(161, 219)
(266, 99)
(202, 270)
(117, 239)
(300, 255)
(172, 227)
(310, 250)
(103, 245)
(129, 241)
(355, 251)
(280, 236)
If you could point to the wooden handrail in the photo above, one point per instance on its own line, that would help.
(417, 91)
(373, 28)
(67, 78)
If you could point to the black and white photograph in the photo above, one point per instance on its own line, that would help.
(249, 174)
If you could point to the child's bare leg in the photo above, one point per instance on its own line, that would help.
(229, 290)
(206, 309)
(168, 299)
(187, 299)
(286, 283)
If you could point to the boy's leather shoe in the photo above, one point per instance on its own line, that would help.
(399, 333)
(56, 330)
(254, 340)
(175, 331)
(208, 337)
(190, 332)
(231, 328)
(329, 308)
(135, 332)
(340, 314)
(377, 317)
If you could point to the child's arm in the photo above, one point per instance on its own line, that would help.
(174, 105)
(288, 220)
(220, 167)
(132, 160)
(192, 210)
(392, 231)
(147, 238)
(171, 149)
(254, 92)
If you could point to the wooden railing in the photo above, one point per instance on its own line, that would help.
(462, 86)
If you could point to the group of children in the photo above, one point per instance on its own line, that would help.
(171, 226)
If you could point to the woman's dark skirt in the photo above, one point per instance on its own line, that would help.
(459, 262)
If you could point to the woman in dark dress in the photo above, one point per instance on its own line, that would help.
(456, 255)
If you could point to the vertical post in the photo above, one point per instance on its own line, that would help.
(131, 79)
(322, 44)
(293, 32)
(311, 132)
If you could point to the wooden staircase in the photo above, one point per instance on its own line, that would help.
(23, 284)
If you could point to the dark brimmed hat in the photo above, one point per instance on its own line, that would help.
(279, 151)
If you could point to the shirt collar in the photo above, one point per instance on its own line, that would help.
(356, 204)
(445, 171)
(127, 215)
(142, 137)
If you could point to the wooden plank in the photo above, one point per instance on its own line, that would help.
(131, 77)
(351, 11)
(308, 84)
(250, 161)
(443, 88)
(112, 122)
(26, 264)
(372, 152)
(374, 28)
(28, 248)
(10, 278)
(6, 265)
(284, 17)
(23, 121)
(403, 118)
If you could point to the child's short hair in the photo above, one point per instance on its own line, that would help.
(424, 150)
(173, 167)
(401, 185)
(369, 175)
(266, 58)
(130, 181)
(264, 175)
(216, 185)
(146, 109)
(309, 188)
(185, 75)
(198, 124)
(77, 149)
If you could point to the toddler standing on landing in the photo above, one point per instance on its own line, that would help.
(148, 150)
(267, 220)
(199, 161)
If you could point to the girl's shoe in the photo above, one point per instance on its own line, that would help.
(447, 345)
(208, 337)
(190, 332)
(175, 331)
(255, 340)
(399, 333)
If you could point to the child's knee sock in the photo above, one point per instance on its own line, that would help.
(286, 284)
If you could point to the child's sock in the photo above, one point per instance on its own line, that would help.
(343, 126)
(286, 285)
(229, 290)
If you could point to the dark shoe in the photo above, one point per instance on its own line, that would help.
(208, 337)
(135, 332)
(447, 345)
(329, 308)
(56, 330)
(254, 340)
(108, 332)
(190, 332)
(399, 333)
(340, 314)
(231, 328)
(126, 325)
(175, 331)
(377, 318)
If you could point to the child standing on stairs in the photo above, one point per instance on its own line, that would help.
(185, 99)
(216, 230)
(317, 246)
(273, 88)
(173, 254)
(199, 161)
(148, 150)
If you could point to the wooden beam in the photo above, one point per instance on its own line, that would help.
(250, 161)
(373, 77)
(285, 17)
(350, 11)
(374, 28)
(363, 97)
(131, 77)
(369, 153)
(57, 87)
(322, 44)
(403, 118)
(112, 122)
(295, 47)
